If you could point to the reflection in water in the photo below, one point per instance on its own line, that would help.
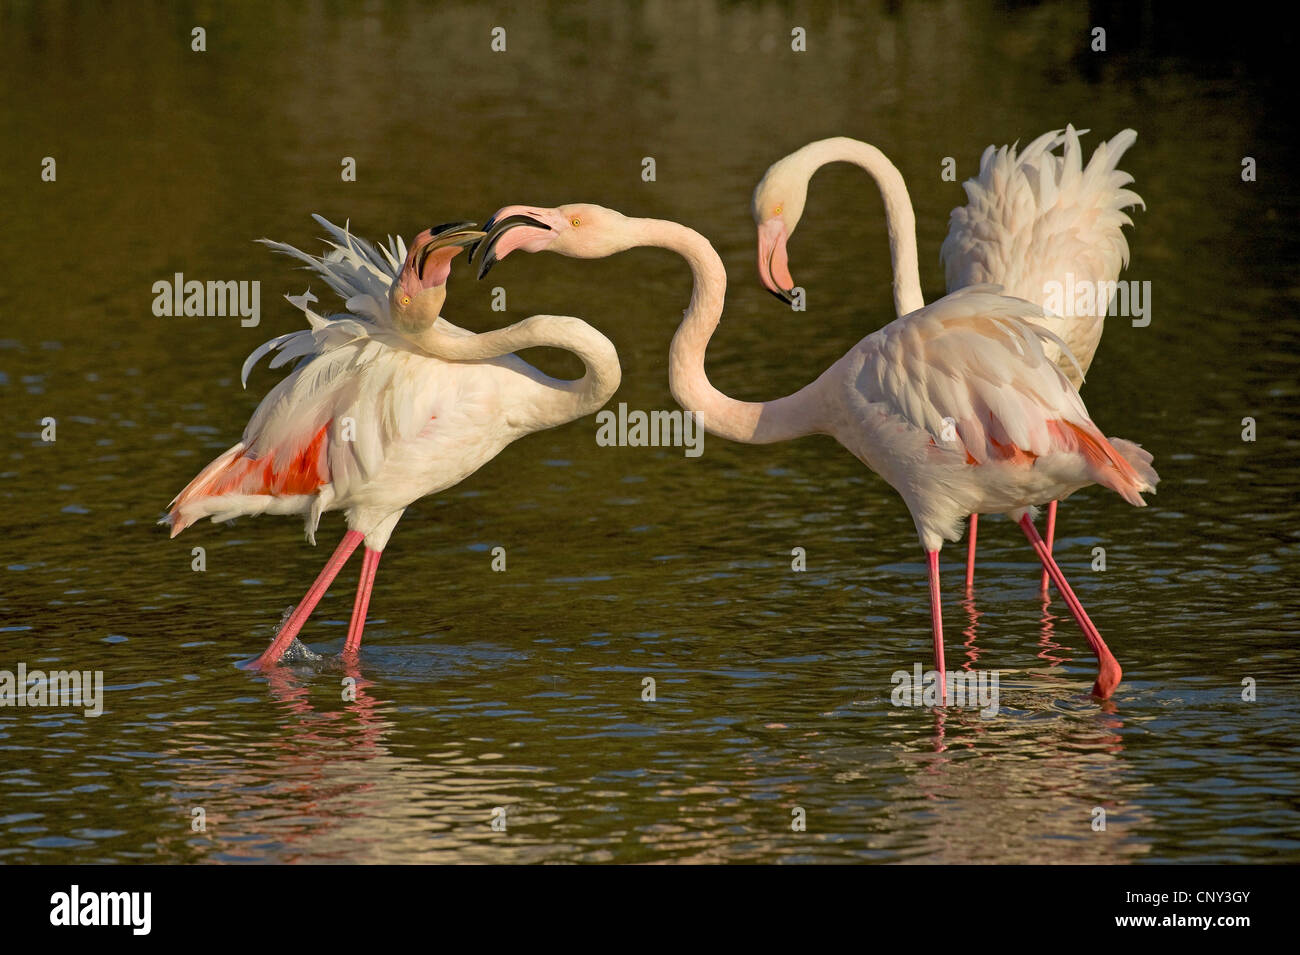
(328, 786)
(995, 787)
(1034, 768)
(524, 689)
(971, 629)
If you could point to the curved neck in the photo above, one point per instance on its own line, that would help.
(752, 422)
(558, 401)
(900, 220)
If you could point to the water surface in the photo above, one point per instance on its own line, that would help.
(523, 689)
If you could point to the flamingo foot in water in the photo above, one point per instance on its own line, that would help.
(275, 651)
(1108, 671)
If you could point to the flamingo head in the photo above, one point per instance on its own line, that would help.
(579, 230)
(778, 205)
(416, 298)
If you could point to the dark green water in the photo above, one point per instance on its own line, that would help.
(523, 689)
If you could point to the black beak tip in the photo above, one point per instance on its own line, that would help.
(783, 295)
(494, 230)
(437, 230)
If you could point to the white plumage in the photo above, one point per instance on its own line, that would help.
(956, 404)
(1034, 217)
(1034, 221)
(373, 418)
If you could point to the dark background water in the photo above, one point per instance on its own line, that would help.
(523, 689)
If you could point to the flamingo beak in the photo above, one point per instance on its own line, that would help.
(428, 261)
(509, 230)
(773, 263)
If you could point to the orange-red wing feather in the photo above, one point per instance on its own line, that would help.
(287, 471)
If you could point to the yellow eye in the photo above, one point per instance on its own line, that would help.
(575, 222)
(406, 300)
(777, 211)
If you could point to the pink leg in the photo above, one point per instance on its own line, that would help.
(1051, 536)
(936, 620)
(1108, 671)
(369, 565)
(301, 612)
(971, 528)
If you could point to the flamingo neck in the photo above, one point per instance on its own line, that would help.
(751, 422)
(558, 400)
(900, 220)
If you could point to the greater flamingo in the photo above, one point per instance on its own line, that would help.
(956, 404)
(1031, 219)
(388, 404)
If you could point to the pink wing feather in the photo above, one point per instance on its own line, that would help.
(976, 358)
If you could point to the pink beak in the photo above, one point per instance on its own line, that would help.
(514, 227)
(428, 260)
(773, 263)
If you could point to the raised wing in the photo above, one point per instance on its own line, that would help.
(1036, 217)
